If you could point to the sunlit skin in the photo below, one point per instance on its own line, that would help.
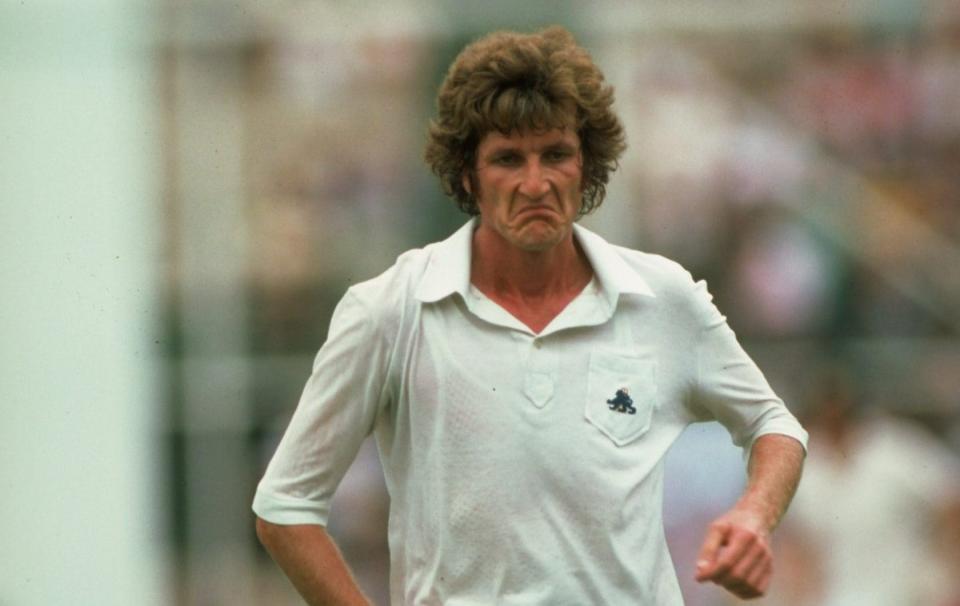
(529, 187)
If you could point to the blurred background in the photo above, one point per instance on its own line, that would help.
(187, 188)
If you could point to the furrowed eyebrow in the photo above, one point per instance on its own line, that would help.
(507, 149)
(562, 146)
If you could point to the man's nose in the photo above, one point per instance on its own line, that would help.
(534, 183)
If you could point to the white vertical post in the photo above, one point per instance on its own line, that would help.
(80, 519)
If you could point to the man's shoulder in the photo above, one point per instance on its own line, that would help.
(662, 274)
(397, 283)
(655, 265)
(677, 293)
(658, 273)
(421, 274)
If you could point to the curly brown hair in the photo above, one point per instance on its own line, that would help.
(512, 82)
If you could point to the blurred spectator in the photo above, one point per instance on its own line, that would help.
(854, 93)
(878, 499)
(937, 82)
(784, 279)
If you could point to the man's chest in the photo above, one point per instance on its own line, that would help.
(491, 420)
(465, 377)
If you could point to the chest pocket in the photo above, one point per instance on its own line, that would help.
(621, 395)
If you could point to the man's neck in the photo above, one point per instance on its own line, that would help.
(503, 271)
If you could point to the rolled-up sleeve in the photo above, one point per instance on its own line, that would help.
(729, 386)
(336, 411)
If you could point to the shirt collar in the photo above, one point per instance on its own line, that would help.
(448, 268)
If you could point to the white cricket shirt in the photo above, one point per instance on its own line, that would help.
(522, 468)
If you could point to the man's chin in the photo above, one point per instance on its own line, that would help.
(539, 238)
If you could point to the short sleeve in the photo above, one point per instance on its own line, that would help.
(336, 411)
(729, 386)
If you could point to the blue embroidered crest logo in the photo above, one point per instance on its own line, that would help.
(622, 402)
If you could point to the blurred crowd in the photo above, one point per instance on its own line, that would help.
(808, 173)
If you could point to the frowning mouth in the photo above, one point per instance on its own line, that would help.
(536, 210)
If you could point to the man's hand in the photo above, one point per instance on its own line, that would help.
(736, 555)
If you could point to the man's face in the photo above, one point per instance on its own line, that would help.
(529, 186)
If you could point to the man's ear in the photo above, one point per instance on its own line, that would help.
(465, 181)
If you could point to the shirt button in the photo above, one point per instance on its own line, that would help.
(537, 343)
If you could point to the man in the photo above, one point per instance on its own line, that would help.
(524, 378)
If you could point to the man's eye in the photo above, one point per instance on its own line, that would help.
(556, 155)
(507, 160)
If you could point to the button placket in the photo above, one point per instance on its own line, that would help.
(540, 376)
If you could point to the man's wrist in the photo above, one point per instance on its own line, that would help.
(757, 513)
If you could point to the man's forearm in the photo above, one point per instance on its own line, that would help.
(776, 463)
(312, 562)
(736, 552)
